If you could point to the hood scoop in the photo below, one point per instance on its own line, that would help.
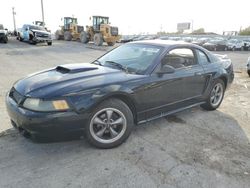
(74, 68)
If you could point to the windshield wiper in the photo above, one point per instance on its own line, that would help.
(97, 62)
(119, 66)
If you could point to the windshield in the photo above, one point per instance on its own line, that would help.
(134, 58)
(36, 28)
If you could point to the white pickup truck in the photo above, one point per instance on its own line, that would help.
(3, 34)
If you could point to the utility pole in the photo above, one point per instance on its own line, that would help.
(42, 12)
(14, 20)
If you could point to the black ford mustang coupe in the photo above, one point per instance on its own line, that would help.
(132, 84)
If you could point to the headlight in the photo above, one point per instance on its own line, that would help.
(45, 106)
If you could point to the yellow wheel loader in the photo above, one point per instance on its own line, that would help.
(70, 30)
(101, 31)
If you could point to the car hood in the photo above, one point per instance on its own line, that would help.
(69, 79)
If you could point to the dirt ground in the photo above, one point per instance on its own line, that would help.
(194, 148)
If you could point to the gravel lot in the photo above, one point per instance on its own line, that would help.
(192, 149)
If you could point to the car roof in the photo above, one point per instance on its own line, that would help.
(165, 43)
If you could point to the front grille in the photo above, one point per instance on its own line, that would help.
(17, 97)
(42, 35)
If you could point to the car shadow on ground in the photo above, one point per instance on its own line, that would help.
(193, 148)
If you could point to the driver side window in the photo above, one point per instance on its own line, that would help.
(179, 58)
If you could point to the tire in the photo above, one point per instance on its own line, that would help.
(32, 42)
(67, 36)
(84, 37)
(98, 39)
(216, 96)
(57, 35)
(49, 43)
(5, 40)
(111, 43)
(248, 72)
(100, 122)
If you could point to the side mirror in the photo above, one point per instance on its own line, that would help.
(26, 29)
(6, 29)
(166, 69)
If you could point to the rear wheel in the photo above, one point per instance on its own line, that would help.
(20, 38)
(110, 124)
(84, 37)
(5, 40)
(57, 35)
(98, 39)
(216, 96)
(49, 43)
(67, 36)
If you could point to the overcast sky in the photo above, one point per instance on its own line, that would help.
(133, 16)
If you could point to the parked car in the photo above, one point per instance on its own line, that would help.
(216, 45)
(200, 41)
(34, 34)
(126, 39)
(248, 66)
(132, 84)
(235, 44)
(3, 34)
(246, 45)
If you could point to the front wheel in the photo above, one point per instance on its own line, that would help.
(84, 37)
(49, 43)
(98, 39)
(215, 97)
(67, 36)
(110, 124)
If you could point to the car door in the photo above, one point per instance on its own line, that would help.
(171, 91)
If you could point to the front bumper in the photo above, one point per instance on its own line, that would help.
(41, 39)
(40, 123)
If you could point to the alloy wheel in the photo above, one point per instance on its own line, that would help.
(216, 94)
(108, 125)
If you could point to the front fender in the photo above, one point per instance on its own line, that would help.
(89, 99)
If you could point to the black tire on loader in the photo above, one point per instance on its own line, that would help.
(67, 36)
(98, 39)
(57, 35)
(84, 37)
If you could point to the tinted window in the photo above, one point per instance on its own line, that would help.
(180, 57)
(35, 27)
(137, 58)
(203, 59)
